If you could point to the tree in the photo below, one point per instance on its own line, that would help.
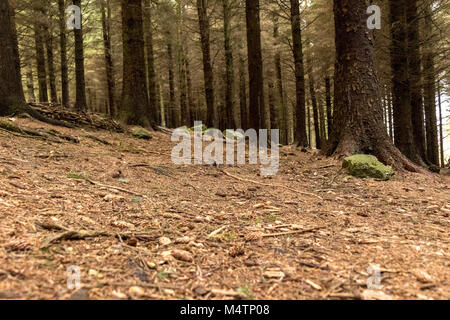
(358, 125)
(203, 21)
(401, 93)
(229, 73)
(430, 91)
(417, 116)
(80, 101)
(257, 110)
(134, 108)
(151, 73)
(11, 90)
(63, 53)
(40, 57)
(106, 30)
(300, 132)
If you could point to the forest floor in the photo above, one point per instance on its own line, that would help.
(151, 229)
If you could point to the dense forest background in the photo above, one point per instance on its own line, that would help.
(189, 60)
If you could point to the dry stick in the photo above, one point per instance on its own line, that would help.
(272, 185)
(291, 232)
(113, 187)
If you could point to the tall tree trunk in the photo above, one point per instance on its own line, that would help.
(134, 108)
(280, 112)
(151, 73)
(417, 116)
(229, 87)
(12, 13)
(272, 104)
(191, 101)
(329, 107)
(400, 83)
(203, 20)
(391, 124)
(358, 125)
(243, 95)
(441, 133)
(430, 90)
(40, 61)
(170, 110)
(80, 100)
(63, 54)
(50, 62)
(309, 124)
(323, 133)
(300, 132)
(184, 106)
(110, 83)
(255, 66)
(11, 89)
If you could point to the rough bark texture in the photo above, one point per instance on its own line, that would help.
(134, 108)
(430, 91)
(11, 90)
(110, 83)
(257, 113)
(400, 82)
(417, 116)
(65, 99)
(203, 20)
(358, 126)
(80, 100)
(300, 132)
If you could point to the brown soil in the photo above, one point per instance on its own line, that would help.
(314, 238)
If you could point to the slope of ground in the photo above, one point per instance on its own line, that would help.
(150, 229)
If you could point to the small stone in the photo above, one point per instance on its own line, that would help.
(135, 290)
(141, 133)
(164, 241)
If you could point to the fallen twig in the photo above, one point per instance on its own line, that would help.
(271, 185)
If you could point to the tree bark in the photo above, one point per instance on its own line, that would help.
(400, 83)
(203, 20)
(414, 63)
(110, 82)
(151, 72)
(50, 61)
(243, 95)
(329, 107)
(134, 108)
(65, 98)
(300, 132)
(80, 100)
(358, 125)
(257, 112)
(229, 68)
(11, 89)
(170, 110)
(315, 108)
(40, 61)
(430, 91)
(441, 133)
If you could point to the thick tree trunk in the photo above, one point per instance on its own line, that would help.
(151, 73)
(11, 90)
(300, 132)
(430, 91)
(229, 68)
(12, 13)
(257, 110)
(110, 83)
(203, 20)
(358, 125)
(134, 108)
(417, 116)
(63, 55)
(400, 83)
(80, 99)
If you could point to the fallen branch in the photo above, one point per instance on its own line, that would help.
(271, 185)
(291, 232)
(113, 187)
